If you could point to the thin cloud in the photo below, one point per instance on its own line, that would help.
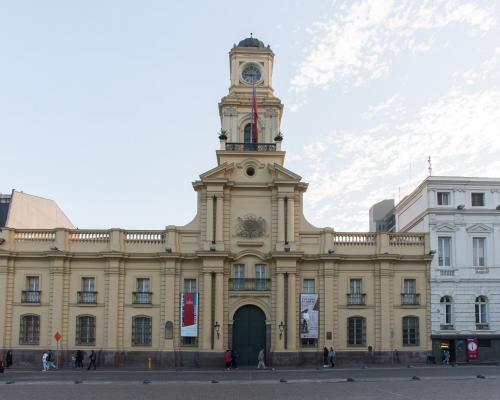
(360, 42)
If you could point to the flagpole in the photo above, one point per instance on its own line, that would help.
(253, 110)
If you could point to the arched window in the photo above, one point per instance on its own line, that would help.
(85, 330)
(411, 335)
(169, 330)
(247, 133)
(29, 332)
(446, 311)
(141, 330)
(481, 310)
(356, 331)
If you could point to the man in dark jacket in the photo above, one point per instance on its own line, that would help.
(92, 359)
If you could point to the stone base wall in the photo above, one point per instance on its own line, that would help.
(195, 359)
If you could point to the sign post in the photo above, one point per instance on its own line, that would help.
(58, 337)
(472, 350)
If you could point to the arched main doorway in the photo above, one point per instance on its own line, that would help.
(249, 334)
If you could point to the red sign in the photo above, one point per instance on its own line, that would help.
(472, 350)
(188, 309)
(57, 336)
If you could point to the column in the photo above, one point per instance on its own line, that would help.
(219, 237)
(280, 312)
(111, 289)
(210, 218)
(281, 220)
(290, 220)
(219, 310)
(207, 311)
(328, 296)
(291, 324)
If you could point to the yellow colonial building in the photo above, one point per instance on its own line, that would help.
(248, 273)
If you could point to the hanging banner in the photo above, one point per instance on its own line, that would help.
(189, 314)
(472, 350)
(309, 315)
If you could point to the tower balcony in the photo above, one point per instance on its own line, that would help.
(250, 146)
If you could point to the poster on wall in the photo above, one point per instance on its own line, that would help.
(472, 350)
(309, 315)
(189, 314)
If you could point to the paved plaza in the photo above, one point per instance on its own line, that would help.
(437, 382)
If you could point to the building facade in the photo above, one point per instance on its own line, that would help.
(382, 217)
(463, 219)
(248, 273)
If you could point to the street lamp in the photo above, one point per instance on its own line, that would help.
(281, 327)
(217, 329)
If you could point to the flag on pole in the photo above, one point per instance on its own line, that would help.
(255, 118)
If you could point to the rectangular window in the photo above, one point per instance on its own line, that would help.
(356, 331)
(33, 283)
(443, 198)
(88, 295)
(141, 331)
(29, 330)
(409, 295)
(477, 199)
(238, 277)
(478, 251)
(355, 296)
(309, 342)
(309, 286)
(444, 251)
(85, 330)
(189, 341)
(88, 284)
(143, 294)
(260, 276)
(410, 331)
(32, 292)
(189, 285)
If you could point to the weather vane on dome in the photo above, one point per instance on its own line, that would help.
(430, 165)
(251, 34)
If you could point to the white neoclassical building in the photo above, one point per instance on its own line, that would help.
(462, 216)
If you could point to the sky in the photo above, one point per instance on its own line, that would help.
(110, 107)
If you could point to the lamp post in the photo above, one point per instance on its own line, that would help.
(217, 329)
(281, 327)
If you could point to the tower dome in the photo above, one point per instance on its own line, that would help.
(251, 42)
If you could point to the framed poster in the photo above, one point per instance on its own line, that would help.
(309, 315)
(189, 314)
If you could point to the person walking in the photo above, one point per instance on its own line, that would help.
(50, 360)
(8, 359)
(227, 359)
(92, 359)
(234, 359)
(331, 356)
(446, 357)
(79, 359)
(45, 365)
(261, 358)
(325, 357)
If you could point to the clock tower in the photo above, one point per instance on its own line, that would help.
(251, 67)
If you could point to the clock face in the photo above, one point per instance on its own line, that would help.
(251, 74)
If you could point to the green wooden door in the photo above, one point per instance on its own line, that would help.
(249, 334)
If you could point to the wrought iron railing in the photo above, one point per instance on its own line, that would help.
(243, 284)
(356, 299)
(142, 297)
(251, 146)
(87, 297)
(484, 326)
(410, 299)
(30, 296)
(446, 327)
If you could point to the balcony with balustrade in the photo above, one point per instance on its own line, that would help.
(356, 299)
(86, 297)
(249, 284)
(144, 298)
(231, 146)
(31, 296)
(410, 299)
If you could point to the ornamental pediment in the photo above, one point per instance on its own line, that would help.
(221, 172)
(479, 228)
(445, 227)
(282, 174)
